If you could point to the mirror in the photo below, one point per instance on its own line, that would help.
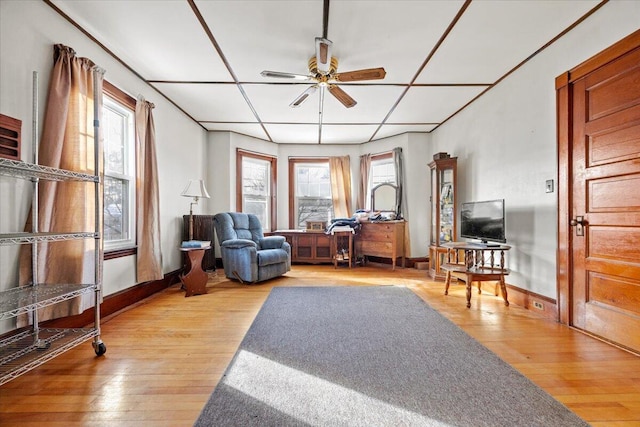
(384, 198)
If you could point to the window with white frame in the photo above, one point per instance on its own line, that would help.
(382, 171)
(119, 174)
(311, 199)
(256, 187)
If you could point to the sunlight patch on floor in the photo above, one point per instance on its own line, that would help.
(313, 400)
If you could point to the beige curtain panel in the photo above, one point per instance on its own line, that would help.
(340, 176)
(68, 143)
(365, 165)
(149, 258)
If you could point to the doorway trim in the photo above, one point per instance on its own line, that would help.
(564, 106)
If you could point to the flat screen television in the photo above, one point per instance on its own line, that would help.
(483, 221)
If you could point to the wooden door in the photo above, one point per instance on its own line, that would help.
(604, 210)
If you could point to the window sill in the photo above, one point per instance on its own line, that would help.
(119, 253)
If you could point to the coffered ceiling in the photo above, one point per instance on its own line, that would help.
(206, 57)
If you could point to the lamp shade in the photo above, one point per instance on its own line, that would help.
(195, 188)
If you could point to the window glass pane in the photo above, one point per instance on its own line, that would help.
(119, 175)
(256, 189)
(382, 171)
(115, 202)
(114, 140)
(313, 209)
(258, 207)
(255, 177)
(312, 193)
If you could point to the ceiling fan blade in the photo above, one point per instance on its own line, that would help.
(357, 75)
(303, 96)
(281, 75)
(323, 55)
(342, 96)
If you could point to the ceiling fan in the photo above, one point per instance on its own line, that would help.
(323, 70)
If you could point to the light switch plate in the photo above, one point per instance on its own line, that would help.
(549, 184)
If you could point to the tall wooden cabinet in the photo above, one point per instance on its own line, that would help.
(444, 226)
(202, 230)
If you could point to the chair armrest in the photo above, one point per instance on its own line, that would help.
(238, 244)
(272, 242)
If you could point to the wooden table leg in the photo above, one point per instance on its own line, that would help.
(447, 282)
(468, 284)
(195, 280)
(503, 288)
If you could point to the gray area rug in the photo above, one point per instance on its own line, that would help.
(370, 356)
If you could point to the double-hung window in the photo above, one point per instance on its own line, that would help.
(309, 192)
(382, 170)
(119, 173)
(256, 187)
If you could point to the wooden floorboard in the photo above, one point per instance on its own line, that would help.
(166, 354)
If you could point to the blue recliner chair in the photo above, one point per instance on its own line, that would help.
(247, 255)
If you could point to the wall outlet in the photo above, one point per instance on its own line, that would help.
(538, 305)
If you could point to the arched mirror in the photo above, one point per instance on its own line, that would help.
(384, 198)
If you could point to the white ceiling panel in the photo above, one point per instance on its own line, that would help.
(396, 35)
(432, 104)
(347, 134)
(293, 133)
(220, 103)
(161, 40)
(492, 37)
(373, 103)
(272, 103)
(250, 129)
(264, 35)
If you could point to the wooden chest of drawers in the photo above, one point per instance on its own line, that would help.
(382, 239)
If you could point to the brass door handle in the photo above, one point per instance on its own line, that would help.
(579, 223)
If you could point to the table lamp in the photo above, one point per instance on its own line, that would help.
(195, 188)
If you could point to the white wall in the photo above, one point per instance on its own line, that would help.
(506, 144)
(222, 158)
(28, 31)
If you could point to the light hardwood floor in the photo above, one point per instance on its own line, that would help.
(166, 354)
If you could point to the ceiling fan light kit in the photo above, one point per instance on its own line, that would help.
(323, 71)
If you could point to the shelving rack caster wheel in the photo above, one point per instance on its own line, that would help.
(99, 348)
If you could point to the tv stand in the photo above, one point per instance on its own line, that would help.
(474, 266)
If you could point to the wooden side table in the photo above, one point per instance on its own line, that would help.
(195, 279)
(475, 267)
(337, 235)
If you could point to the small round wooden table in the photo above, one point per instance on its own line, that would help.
(194, 281)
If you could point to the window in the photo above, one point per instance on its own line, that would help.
(119, 171)
(256, 187)
(310, 192)
(382, 171)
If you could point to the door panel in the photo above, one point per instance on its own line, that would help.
(619, 141)
(606, 194)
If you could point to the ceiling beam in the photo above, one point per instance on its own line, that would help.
(424, 64)
(116, 57)
(215, 44)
